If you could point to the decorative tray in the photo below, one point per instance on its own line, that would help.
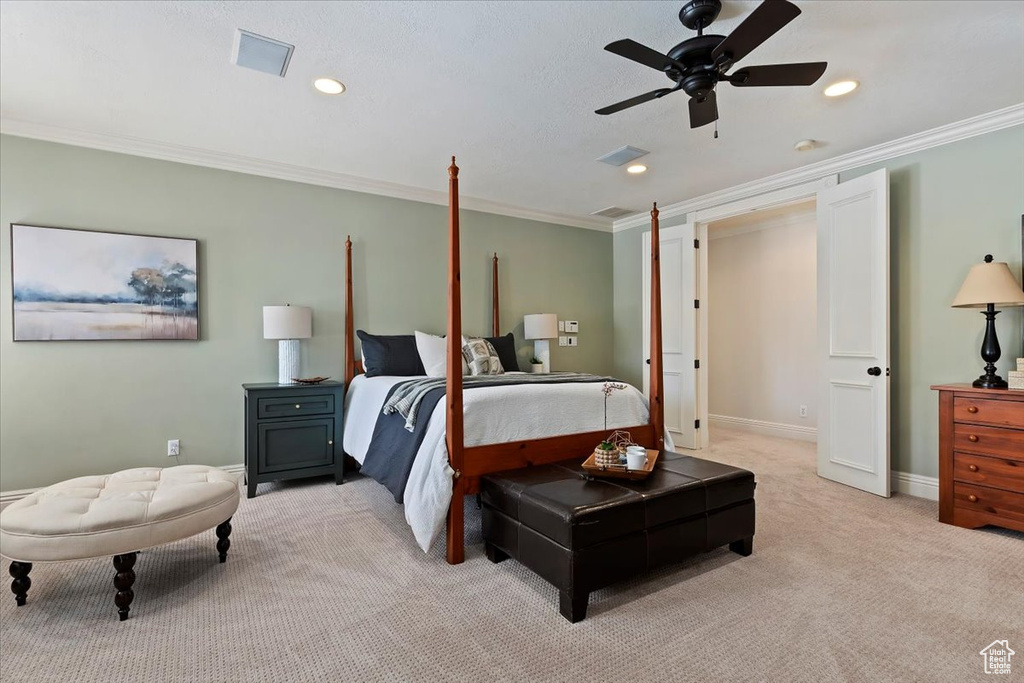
(309, 380)
(620, 471)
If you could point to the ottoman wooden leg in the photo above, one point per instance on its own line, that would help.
(573, 606)
(494, 553)
(744, 546)
(21, 583)
(223, 542)
(124, 579)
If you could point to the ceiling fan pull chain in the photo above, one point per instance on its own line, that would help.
(716, 129)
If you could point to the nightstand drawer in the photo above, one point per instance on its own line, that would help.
(297, 405)
(994, 472)
(982, 499)
(295, 444)
(989, 411)
(995, 441)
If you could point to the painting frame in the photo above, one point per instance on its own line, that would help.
(184, 306)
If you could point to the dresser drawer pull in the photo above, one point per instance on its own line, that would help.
(973, 438)
(297, 406)
(972, 409)
(973, 498)
(331, 443)
(972, 468)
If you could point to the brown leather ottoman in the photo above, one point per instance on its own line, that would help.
(582, 533)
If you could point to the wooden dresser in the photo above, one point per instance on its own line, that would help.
(981, 456)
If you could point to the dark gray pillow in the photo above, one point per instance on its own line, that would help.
(390, 354)
(506, 348)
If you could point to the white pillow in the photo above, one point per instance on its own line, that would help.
(434, 354)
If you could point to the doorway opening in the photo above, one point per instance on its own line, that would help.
(761, 322)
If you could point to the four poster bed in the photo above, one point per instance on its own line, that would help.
(450, 464)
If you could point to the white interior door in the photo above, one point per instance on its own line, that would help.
(853, 333)
(678, 329)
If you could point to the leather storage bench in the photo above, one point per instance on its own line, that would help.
(582, 533)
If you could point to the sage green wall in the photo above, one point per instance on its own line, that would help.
(75, 408)
(949, 206)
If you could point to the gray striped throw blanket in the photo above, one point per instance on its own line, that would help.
(407, 396)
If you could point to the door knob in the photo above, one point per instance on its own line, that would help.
(875, 371)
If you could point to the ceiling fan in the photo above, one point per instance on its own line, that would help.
(697, 64)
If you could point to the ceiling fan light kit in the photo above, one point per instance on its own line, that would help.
(698, 64)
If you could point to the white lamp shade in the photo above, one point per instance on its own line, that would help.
(989, 283)
(540, 326)
(287, 322)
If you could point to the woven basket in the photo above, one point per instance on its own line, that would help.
(606, 458)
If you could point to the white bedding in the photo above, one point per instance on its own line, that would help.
(492, 415)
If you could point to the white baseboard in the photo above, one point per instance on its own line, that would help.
(766, 428)
(915, 485)
(8, 497)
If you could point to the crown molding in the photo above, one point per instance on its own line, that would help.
(978, 125)
(225, 161)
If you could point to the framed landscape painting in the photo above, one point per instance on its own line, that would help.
(88, 285)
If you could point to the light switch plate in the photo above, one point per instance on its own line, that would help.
(572, 326)
(561, 326)
(563, 341)
(573, 341)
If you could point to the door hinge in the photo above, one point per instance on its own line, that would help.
(696, 244)
(696, 364)
(696, 424)
(696, 303)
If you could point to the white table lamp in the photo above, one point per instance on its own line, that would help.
(288, 324)
(540, 327)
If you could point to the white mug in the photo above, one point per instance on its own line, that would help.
(636, 449)
(636, 460)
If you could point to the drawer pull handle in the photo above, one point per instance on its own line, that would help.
(973, 438)
(972, 468)
(297, 406)
(972, 409)
(973, 498)
(331, 443)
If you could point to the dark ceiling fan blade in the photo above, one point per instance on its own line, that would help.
(778, 74)
(633, 101)
(703, 112)
(630, 49)
(764, 22)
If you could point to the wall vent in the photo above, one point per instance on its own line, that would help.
(614, 212)
(623, 155)
(262, 54)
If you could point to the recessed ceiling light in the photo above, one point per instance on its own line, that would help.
(329, 86)
(841, 88)
(636, 168)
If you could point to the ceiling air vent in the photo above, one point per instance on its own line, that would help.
(623, 155)
(262, 54)
(614, 212)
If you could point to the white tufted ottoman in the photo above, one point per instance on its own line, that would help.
(117, 514)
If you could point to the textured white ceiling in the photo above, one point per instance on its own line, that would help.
(508, 86)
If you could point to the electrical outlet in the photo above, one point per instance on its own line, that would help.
(563, 341)
(803, 411)
(173, 447)
(573, 341)
(561, 326)
(572, 326)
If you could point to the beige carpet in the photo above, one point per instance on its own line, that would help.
(324, 583)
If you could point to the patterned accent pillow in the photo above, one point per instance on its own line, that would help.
(481, 357)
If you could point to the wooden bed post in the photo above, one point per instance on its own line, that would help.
(656, 382)
(495, 325)
(350, 353)
(453, 418)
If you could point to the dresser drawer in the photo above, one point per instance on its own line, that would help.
(1006, 443)
(992, 472)
(296, 405)
(989, 411)
(981, 499)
